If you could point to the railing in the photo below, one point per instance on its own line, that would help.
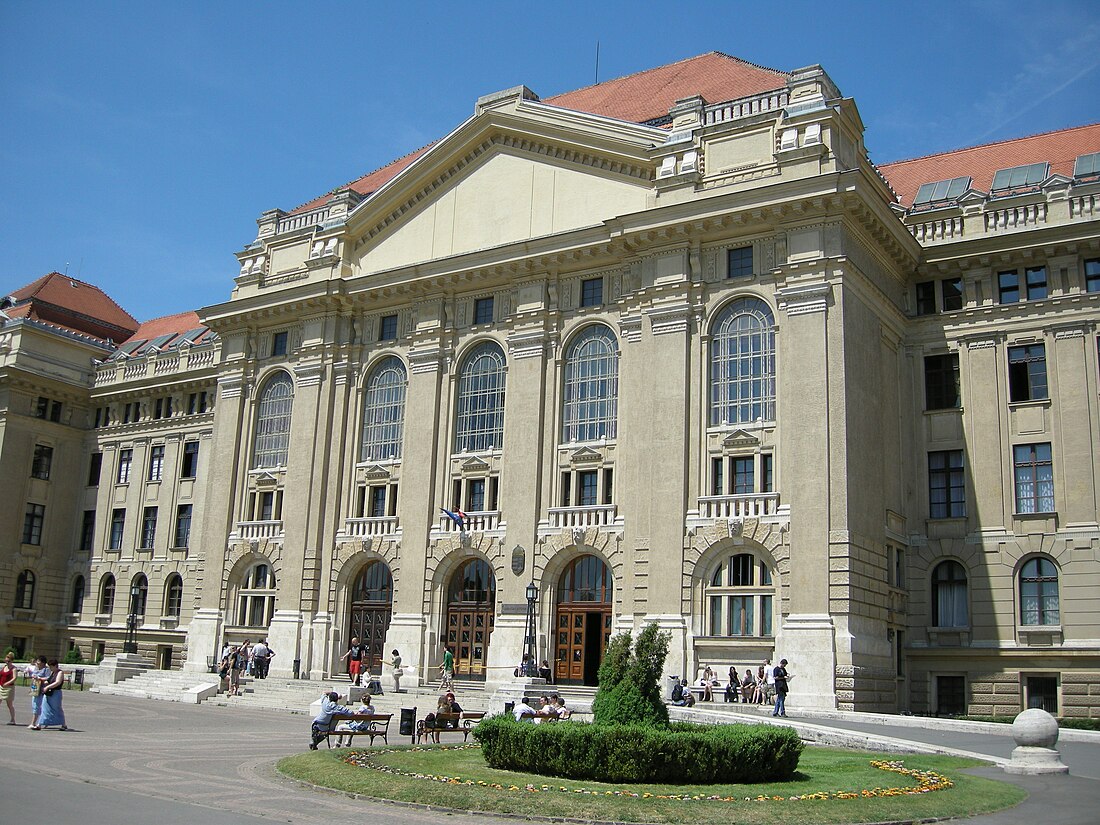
(259, 529)
(480, 522)
(745, 106)
(311, 218)
(201, 358)
(1015, 216)
(166, 363)
(751, 505)
(1082, 206)
(598, 515)
(136, 369)
(944, 229)
(372, 526)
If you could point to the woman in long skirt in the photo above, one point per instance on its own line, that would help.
(52, 713)
(39, 672)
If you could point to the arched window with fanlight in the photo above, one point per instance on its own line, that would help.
(590, 395)
(471, 615)
(742, 364)
(949, 595)
(256, 596)
(1039, 592)
(173, 596)
(107, 594)
(740, 599)
(139, 594)
(76, 603)
(384, 411)
(271, 444)
(479, 424)
(24, 590)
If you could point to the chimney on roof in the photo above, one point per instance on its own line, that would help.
(687, 113)
(492, 101)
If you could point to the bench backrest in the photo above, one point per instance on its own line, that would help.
(362, 717)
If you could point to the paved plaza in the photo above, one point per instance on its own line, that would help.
(128, 761)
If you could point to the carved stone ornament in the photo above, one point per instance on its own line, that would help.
(578, 535)
(736, 527)
(519, 560)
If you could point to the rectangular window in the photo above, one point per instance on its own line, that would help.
(1042, 692)
(899, 653)
(946, 484)
(475, 495)
(125, 462)
(941, 381)
(87, 531)
(156, 462)
(118, 522)
(148, 527)
(483, 311)
(1033, 468)
(190, 466)
(48, 409)
(494, 492)
(952, 291)
(183, 526)
(743, 475)
(588, 488)
(926, 298)
(32, 523)
(158, 408)
(717, 476)
(378, 501)
(129, 412)
(43, 460)
(1036, 279)
(899, 567)
(1008, 287)
(94, 467)
(566, 489)
(740, 615)
(196, 403)
(278, 343)
(387, 328)
(608, 485)
(391, 503)
(1092, 275)
(950, 695)
(767, 473)
(1027, 373)
(740, 262)
(592, 292)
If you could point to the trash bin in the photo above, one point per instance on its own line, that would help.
(509, 707)
(78, 677)
(408, 723)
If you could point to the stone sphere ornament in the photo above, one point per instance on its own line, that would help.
(1035, 728)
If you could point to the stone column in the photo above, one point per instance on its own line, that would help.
(1074, 404)
(807, 637)
(984, 428)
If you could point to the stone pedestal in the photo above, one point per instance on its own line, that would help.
(114, 669)
(202, 640)
(807, 644)
(1036, 734)
(513, 691)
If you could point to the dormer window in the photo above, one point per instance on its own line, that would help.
(1087, 166)
(1019, 177)
(941, 191)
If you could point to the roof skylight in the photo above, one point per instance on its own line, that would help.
(1018, 176)
(941, 190)
(1087, 165)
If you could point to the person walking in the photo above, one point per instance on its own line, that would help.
(781, 679)
(395, 663)
(447, 669)
(7, 684)
(38, 673)
(53, 715)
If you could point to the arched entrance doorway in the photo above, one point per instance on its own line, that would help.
(471, 600)
(371, 608)
(583, 620)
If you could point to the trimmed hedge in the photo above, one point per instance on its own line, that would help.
(688, 754)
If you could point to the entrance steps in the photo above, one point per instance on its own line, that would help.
(166, 685)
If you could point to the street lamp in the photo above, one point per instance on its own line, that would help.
(130, 645)
(529, 634)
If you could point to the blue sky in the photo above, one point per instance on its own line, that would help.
(140, 141)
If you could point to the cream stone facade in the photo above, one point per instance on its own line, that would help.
(685, 370)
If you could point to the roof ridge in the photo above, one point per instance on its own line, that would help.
(336, 189)
(987, 145)
(49, 276)
(171, 315)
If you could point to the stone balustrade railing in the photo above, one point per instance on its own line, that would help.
(370, 527)
(249, 530)
(482, 521)
(312, 218)
(745, 106)
(749, 505)
(156, 363)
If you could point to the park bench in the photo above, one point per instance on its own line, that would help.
(370, 724)
(429, 730)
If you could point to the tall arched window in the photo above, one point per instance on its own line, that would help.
(1039, 592)
(480, 411)
(256, 596)
(107, 594)
(272, 440)
(742, 364)
(24, 590)
(384, 412)
(139, 594)
(591, 396)
(173, 596)
(949, 595)
(741, 597)
(76, 605)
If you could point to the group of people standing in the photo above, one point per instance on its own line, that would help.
(47, 681)
(252, 659)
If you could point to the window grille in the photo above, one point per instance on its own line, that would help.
(591, 394)
(272, 441)
(480, 420)
(742, 364)
(384, 412)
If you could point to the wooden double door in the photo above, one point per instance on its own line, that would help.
(583, 632)
(369, 623)
(468, 633)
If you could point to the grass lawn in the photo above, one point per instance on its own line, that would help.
(821, 770)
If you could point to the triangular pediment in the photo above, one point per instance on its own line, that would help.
(375, 472)
(516, 170)
(264, 479)
(474, 465)
(740, 438)
(585, 455)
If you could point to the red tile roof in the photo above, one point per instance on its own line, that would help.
(66, 302)
(1059, 148)
(179, 323)
(637, 97)
(649, 95)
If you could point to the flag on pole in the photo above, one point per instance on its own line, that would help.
(455, 517)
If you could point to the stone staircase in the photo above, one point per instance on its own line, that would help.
(166, 685)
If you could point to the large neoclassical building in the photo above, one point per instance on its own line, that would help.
(670, 348)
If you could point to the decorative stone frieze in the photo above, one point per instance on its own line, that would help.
(804, 299)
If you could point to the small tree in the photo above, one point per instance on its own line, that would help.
(73, 656)
(629, 689)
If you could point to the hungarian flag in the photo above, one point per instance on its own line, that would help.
(457, 518)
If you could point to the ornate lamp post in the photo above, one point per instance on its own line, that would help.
(130, 645)
(529, 634)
